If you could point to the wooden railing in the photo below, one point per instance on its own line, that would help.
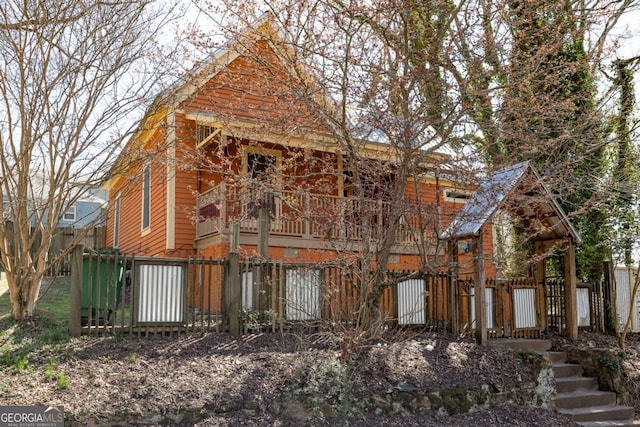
(304, 214)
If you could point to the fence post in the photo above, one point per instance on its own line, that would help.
(453, 306)
(233, 290)
(479, 287)
(570, 297)
(75, 300)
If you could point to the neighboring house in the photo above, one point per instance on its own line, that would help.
(88, 211)
(232, 140)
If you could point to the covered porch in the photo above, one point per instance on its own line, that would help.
(300, 218)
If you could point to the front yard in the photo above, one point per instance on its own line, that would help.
(405, 379)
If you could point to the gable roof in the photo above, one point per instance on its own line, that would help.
(518, 189)
(264, 30)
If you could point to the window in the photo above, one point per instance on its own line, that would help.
(146, 196)
(260, 166)
(70, 214)
(116, 222)
(457, 196)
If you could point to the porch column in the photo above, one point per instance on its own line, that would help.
(570, 283)
(453, 314)
(479, 288)
(540, 277)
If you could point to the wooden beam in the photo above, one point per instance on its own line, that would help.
(540, 276)
(233, 295)
(570, 297)
(479, 288)
(454, 314)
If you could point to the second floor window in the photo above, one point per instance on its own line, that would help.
(146, 196)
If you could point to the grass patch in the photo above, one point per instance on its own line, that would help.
(5, 301)
(47, 329)
(54, 302)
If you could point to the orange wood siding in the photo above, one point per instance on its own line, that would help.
(185, 187)
(256, 87)
(132, 239)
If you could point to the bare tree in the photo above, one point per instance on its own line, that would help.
(500, 81)
(372, 77)
(72, 74)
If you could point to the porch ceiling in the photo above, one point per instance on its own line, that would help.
(519, 190)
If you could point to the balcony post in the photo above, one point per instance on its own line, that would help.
(222, 196)
(307, 218)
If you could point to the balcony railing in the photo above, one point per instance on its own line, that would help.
(309, 215)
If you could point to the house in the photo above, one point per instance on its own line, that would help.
(232, 160)
(233, 139)
(87, 211)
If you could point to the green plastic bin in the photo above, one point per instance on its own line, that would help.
(102, 273)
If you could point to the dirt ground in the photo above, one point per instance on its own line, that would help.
(264, 380)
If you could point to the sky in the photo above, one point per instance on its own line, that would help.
(629, 29)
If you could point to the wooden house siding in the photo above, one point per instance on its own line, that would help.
(132, 238)
(256, 89)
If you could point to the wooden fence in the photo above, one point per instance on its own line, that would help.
(112, 292)
(514, 308)
(591, 301)
(64, 238)
(521, 308)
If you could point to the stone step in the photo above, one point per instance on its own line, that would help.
(567, 384)
(566, 370)
(537, 345)
(599, 413)
(557, 356)
(610, 423)
(584, 399)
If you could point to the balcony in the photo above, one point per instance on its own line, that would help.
(306, 215)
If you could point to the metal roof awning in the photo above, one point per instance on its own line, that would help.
(519, 190)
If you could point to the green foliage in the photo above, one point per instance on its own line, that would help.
(257, 319)
(17, 361)
(52, 374)
(63, 381)
(50, 371)
(609, 363)
(46, 332)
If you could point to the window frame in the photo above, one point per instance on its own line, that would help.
(116, 222)
(457, 195)
(71, 210)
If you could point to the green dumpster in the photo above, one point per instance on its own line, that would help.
(102, 273)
